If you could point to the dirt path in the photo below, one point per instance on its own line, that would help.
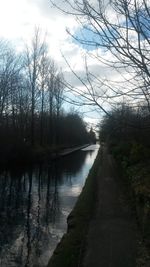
(112, 232)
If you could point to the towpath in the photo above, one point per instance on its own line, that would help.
(112, 232)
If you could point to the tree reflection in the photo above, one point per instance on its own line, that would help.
(52, 198)
(29, 208)
(28, 221)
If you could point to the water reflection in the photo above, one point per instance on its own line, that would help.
(34, 205)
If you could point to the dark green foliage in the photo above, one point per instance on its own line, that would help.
(127, 133)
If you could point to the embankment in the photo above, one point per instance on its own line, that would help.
(70, 250)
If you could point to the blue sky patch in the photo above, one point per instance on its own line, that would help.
(87, 38)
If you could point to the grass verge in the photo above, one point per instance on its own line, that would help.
(69, 251)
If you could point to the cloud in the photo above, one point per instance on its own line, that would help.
(19, 19)
(42, 5)
(47, 9)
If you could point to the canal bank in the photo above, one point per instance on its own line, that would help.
(26, 155)
(102, 228)
(70, 250)
(68, 151)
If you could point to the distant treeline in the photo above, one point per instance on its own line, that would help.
(31, 99)
(127, 126)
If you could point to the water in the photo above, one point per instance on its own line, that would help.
(34, 205)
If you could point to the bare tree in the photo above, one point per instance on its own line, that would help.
(44, 69)
(58, 94)
(121, 27)
(32, 62)
(10, 68)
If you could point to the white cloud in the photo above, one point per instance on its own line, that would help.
(19, 19)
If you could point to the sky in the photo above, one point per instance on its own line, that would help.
(18, 20)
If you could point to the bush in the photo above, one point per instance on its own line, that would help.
(138, 152)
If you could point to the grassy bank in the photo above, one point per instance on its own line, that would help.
(70, 250)
(134, 162)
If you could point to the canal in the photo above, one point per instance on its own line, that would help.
(34, 205)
